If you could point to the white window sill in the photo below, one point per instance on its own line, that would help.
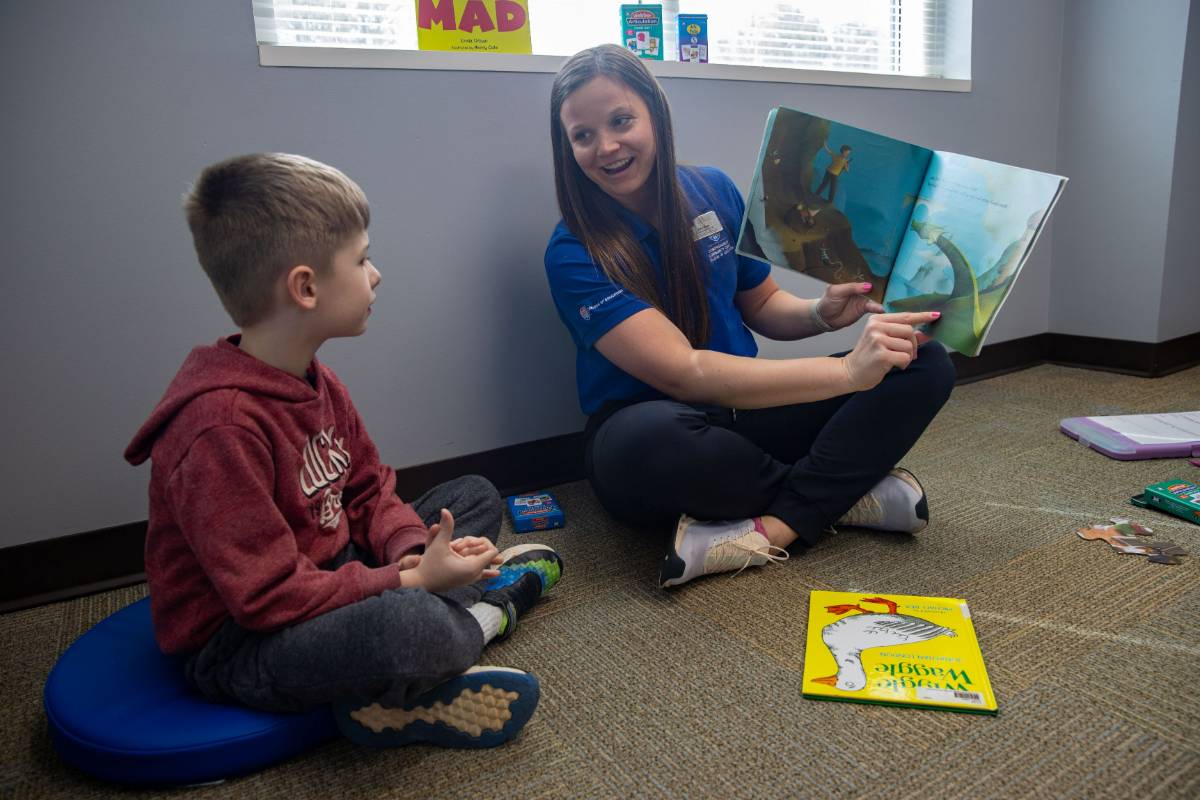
(368, 58)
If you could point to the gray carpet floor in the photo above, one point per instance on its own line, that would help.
(696, 692)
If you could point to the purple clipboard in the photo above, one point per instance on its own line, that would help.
(1138, 436)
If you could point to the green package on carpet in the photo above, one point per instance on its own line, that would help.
(1175, 496)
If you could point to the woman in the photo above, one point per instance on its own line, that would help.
(747, 456)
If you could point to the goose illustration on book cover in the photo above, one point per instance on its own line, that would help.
(896, 650)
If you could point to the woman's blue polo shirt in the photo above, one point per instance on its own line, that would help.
(591, 305)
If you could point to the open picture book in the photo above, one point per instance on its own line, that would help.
(931, 230)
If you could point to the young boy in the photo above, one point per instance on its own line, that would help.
(279, 558)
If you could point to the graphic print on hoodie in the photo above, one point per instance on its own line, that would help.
(258, 478)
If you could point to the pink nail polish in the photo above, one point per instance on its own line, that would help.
(866, 287)
(936, 314)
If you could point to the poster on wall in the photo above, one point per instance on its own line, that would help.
(477, 26)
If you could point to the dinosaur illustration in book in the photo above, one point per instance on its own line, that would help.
(974, 298)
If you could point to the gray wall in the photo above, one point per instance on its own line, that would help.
(1180, 309)
(111, 108)
(1121, 88)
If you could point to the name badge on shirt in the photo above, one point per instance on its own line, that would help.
(706, 224)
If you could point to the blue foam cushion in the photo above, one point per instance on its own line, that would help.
(121, 710)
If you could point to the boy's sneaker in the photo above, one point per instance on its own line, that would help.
(897, 503)
(703, 548)
(527, 572)
(483, 707)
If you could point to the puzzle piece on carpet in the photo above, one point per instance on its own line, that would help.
(1127, 527)
(1127, 544)
(1108, 533)
(1122, 537)
(1121, 527)
(1104, 532)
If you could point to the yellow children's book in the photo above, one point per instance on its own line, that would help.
(895, 649)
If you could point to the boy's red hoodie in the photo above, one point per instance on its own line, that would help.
(258, 479)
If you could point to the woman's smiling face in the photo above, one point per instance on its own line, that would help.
(612, 138)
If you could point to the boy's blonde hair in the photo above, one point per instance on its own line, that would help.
(254, 217)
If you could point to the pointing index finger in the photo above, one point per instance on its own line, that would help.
(910, 317)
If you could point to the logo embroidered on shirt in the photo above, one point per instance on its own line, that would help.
(721, 249)
(586, 311)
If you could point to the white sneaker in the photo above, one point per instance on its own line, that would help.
(705, 548)
(897, 503)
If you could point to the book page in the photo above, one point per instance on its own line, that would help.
(831, 200)
(973, 227)
(1175, 428)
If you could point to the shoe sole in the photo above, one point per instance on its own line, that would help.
(673, 566)
(922, 508)
(480, 708)
(546, 576)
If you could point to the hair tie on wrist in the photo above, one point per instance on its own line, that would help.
(817, 319)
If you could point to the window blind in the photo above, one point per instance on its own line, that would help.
(902, 37)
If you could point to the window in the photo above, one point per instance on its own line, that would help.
(926, 39)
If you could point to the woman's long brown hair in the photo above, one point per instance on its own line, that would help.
(593, 216)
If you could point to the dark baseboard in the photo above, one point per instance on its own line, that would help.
(79, 564)
(513, 469)
(1144, 359)
(1001, 358)
(71, 566)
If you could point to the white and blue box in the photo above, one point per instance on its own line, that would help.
(693, 38)
(535, 512)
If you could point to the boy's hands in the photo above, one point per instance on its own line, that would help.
(408, 562)
(844, 303)
(465, 546)
(473, 546)
(448, 563)
(888, 340)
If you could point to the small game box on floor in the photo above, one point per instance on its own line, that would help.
(535, 512)
(1178, 497)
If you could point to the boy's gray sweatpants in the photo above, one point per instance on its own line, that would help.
(391, 647)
